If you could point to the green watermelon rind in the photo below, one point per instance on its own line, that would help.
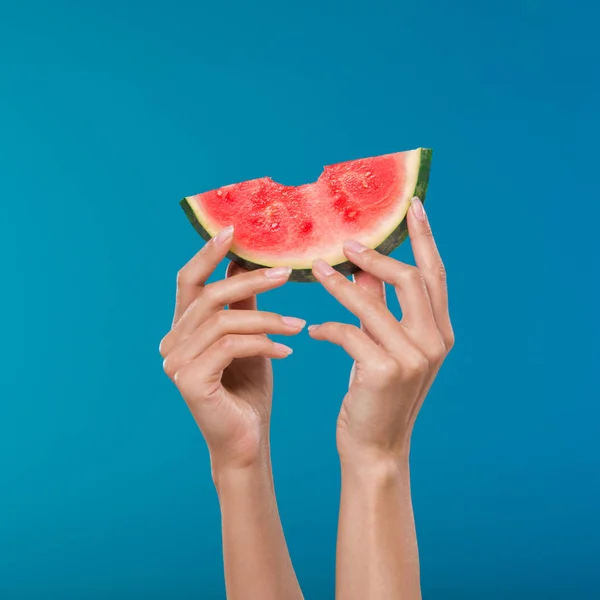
(391, 242)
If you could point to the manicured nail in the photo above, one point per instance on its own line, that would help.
(294, 322)
(224, 235)
(283, 349)
(278, 272)
(312, 327)
(355, 246)
(321, 267)
(417, 208)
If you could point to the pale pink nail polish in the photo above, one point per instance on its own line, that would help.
(283, 349)
(321, 267)
(224, 235)
(312, 327)
(278, 272)
(417, 208)
(294, 322)
(355, 246)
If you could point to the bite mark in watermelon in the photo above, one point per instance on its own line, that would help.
(277, 225)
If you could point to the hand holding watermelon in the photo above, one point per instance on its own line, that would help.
(395, 365)
(395, 361)
(219, 359)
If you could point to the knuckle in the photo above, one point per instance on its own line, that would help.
(439, 271)
(349, 332)
(209, 293)
(210, 296)
(169, 366)
(385, 371)
(415, 275)
(408, 275)
(163, 346)
(438, 351)
(427, 231)
(449, 341)
(335, 279)
(227, 342)
(369, 257)
(442, 350)
(221, 319)
(417, 363)
(180, 375)
(183, 277)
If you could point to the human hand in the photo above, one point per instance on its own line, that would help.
(220, 359)
(395, 361)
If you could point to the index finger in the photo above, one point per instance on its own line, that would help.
(374, 286)
(373, 314)
(249, 303)
(194, 275)
(432, 268)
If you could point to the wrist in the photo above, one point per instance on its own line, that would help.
(363, 454)
(371, 466)
(232, 472)
(369, 487)
(251, 447)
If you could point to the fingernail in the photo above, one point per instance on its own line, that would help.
(278, 272)
(294, 322)
(354, 246)
(312, 327)
(283, 349)
(224, 235)
(417, 208)
(321, 267)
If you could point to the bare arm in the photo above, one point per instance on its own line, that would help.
(257, 562)
(395, 363)
(221, 362)
(377, 554)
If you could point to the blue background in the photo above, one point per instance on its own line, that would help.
(110, 112)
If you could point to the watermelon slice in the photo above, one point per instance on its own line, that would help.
(365, 199)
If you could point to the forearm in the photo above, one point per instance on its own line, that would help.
(257, 561)
(377, 554)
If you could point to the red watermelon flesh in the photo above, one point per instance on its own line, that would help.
(364, 199)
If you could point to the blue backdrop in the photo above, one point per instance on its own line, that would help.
(110, 112)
